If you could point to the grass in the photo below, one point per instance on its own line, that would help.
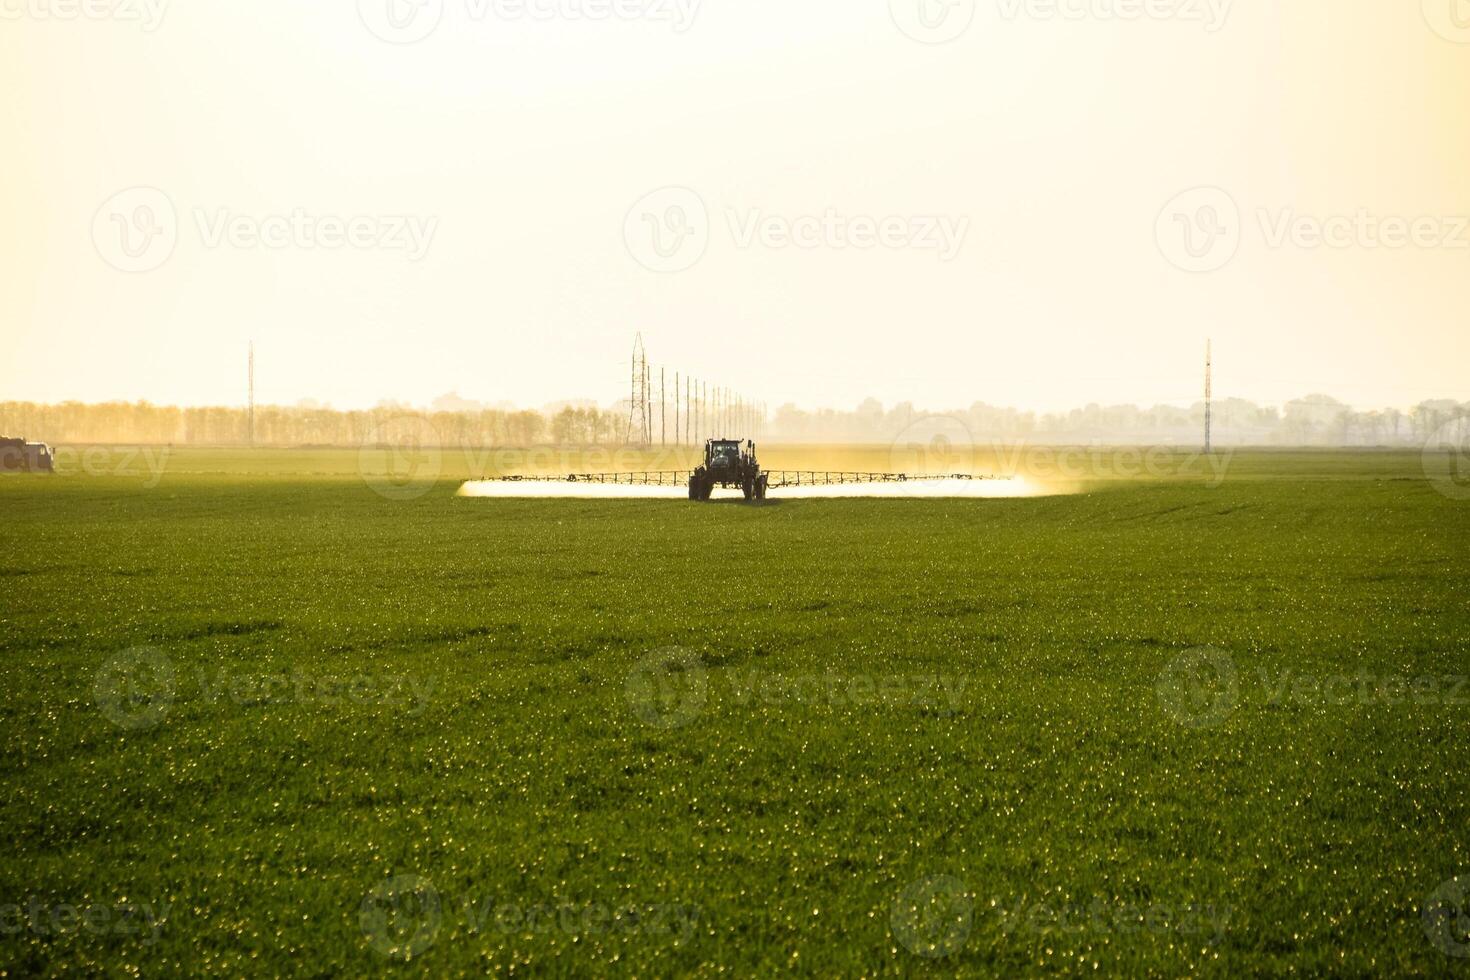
(260, 719)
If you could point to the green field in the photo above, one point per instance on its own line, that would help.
(261, 720)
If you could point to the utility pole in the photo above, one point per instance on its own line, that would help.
(251, 394)
(1209, 393)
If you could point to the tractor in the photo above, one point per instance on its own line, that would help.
(19, 456)
(727, 465)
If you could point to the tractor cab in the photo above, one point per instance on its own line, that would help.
(723, 453)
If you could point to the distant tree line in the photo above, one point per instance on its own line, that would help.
(1316, 420)
(141, 422)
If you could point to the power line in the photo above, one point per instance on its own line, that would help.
(707, 413)
(1209, 392)
(250, 396)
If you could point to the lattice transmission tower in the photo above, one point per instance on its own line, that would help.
(640, 417)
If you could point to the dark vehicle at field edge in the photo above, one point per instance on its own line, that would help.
(726, 464)
(19, 456)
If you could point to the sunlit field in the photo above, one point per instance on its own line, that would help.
(1176, 715)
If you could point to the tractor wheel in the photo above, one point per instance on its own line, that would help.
(760, 487)
(694, 488)
(748, 488)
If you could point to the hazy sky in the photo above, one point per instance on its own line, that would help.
(812, 202)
